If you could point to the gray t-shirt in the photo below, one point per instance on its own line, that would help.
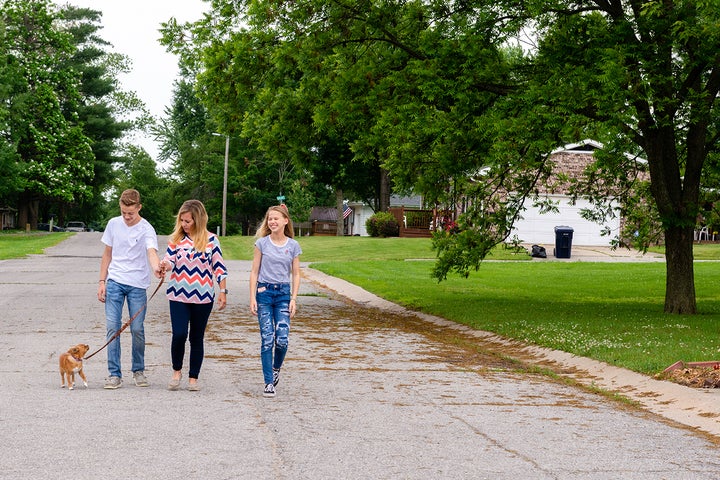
(276, 263)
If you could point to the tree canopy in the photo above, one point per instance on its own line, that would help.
(61, 113)
(54, 157)
(464, 101)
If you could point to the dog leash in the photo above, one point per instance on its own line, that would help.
(126, 324)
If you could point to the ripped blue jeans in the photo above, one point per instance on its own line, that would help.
(273, 307)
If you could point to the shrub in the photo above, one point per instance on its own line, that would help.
(382, 224)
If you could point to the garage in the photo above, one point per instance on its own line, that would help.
(537, 228)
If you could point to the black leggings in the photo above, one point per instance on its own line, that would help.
(189, 318)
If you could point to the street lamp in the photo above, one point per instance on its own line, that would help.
(225, 180)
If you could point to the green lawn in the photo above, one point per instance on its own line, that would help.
(16, 245)
(351, 249)
(607, 311)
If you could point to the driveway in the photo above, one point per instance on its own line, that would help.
(368, 391)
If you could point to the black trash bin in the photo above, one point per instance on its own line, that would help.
(563, 241)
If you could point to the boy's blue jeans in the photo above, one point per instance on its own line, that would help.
(273, 301)
(115, 296)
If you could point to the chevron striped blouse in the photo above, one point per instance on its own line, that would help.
(191, 279)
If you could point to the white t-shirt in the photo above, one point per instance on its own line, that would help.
(129, 263)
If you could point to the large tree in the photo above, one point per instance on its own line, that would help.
(63, 111)
(463, 101)
(645, 76)
(54, 155)
(658, 77)
(98, 109)
(258, 83)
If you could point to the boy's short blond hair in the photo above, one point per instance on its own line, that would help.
(130, 197)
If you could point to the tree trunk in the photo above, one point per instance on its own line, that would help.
(27, 211)
(23, 214)
(680, 281)
(384, 191)
(676, 197)
(340, 220)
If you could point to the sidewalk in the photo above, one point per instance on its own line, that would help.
(369, 391)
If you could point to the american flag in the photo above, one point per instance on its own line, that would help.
(346, 211)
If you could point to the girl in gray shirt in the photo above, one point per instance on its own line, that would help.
(274, 285)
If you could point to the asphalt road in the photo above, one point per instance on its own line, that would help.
(366, 393)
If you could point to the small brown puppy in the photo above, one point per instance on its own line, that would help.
(71, 363)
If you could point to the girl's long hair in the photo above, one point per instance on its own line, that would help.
(264, 231)
(200, 217)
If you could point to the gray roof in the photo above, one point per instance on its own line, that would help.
(325, 214)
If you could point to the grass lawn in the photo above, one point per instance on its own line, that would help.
(17, 245)
(606, 311)
(350, 249)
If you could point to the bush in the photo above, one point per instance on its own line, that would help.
(382, 224)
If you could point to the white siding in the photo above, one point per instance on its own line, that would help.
(537, 228)
(359, 216)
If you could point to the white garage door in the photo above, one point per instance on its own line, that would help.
(539, 228)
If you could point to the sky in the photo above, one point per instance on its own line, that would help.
(131, 26)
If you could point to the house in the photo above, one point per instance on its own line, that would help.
(323, 221)
(539, 228)
(7, 218)
(361, 212)
(532, 228)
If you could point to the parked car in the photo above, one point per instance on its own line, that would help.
(45, 227)
(75, 227)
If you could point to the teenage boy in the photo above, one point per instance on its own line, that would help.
(130, 245)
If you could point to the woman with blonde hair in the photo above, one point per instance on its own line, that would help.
(194, 257)
(274, 285)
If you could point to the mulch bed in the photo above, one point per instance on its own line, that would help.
(701, 375)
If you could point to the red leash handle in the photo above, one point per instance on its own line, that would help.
(127, 324)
